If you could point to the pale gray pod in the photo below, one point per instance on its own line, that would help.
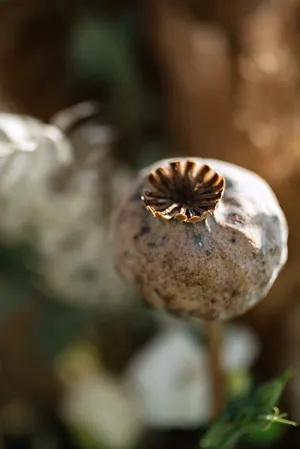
(54, 200)
(215, 268)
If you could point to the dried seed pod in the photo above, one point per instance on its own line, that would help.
(191, 257)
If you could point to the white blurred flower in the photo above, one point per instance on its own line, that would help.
(104, 410)
(240, 348)
(171, 380)
(171, 375)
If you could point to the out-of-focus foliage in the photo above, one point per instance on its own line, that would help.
(255, 412)
(102, 52)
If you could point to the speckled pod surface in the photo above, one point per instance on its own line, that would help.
(215, 269)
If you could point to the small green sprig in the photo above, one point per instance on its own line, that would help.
(257, 411)
(277, 417)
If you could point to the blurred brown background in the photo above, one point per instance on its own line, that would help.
(211, 78)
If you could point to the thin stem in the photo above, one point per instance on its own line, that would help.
(214, 338)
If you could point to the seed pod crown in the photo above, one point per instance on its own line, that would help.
(183, 191)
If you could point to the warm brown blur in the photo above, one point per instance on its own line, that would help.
(207, 78)
(33, 41)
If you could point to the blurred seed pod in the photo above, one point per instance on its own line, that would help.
(54, 200)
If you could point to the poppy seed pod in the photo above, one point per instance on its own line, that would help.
(201, 237)
(56, 196)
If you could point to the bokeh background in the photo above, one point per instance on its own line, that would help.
(207, 78)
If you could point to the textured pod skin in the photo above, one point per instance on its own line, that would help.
(214, 269)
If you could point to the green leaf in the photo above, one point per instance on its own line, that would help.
(102, 49)
(243, 415)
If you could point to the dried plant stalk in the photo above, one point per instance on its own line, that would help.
(214, 339)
